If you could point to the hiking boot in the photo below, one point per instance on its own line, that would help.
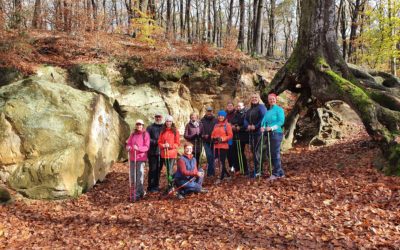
(273, 177)
(203, 191)
(154, 190)
(180, 196)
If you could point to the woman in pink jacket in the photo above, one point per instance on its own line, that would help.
(137, 145)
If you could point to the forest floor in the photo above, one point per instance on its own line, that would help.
(332, 198)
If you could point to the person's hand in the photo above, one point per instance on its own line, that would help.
(200, 174)
(262, 129)
(219, 139)
(269, 129)
(135, 147)
(166, 145)
(205, 137)
(128, 148)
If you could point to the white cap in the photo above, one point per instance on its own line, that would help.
(169, 118)
(139, 121)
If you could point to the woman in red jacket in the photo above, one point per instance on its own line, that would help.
(169, 144)
(222, 137)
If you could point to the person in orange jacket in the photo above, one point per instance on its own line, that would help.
(168, 142)
(222, 136)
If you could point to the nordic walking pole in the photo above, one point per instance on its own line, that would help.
(269, 155)
(134, 176)
(240, 155)
(129, 173)
(182, 186)
(261, 153)
(167, 164)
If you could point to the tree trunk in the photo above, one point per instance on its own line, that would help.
(343, 28)
(241, 25)
(198, 31)
(189, 35)
(203, 22)
(215, 23)
(181, 19)
(230, 15)
(271, 23)
(258, 27)
(392, 34)
(36, 20)
(168, 24)
(209, 26)
(249, 29)
(16, 18)
(355, 13)
(316, 68)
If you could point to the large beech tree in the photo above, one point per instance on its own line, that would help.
(316, 70)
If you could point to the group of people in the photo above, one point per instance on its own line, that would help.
(223, 137)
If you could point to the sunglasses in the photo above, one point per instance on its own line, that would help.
(158, 116)
(138, 124)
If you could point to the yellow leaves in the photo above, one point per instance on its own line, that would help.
(328, 202)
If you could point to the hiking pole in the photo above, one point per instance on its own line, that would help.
(241, 167)
(167, 165)
(130, 181)
(134, 176)
(261, 153)
(182, 186)
(269, 154)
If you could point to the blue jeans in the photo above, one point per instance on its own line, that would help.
(192, 187)
(209, 148)
(275, 141)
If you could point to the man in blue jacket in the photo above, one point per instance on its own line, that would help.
(272, 123)
(252, 124)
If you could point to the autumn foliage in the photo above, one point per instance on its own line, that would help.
(332, 198)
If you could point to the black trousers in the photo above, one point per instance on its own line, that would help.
(155, 166)
(220, 154)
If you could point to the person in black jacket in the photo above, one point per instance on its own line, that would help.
(230, 114)
(154, 154)
(208, 122)
(240, 138)
(252, 123)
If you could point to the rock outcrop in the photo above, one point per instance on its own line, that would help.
(56, 141)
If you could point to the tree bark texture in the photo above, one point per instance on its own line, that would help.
(316, 68)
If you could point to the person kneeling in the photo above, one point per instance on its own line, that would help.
(188, 179)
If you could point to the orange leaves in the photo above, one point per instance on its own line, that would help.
(317, 206)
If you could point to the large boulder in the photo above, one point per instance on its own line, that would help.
(56, 141)
(140, 102)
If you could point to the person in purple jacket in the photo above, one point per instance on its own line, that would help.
(137, 145)
(193, 135)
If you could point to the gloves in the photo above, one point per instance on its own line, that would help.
(217, 140)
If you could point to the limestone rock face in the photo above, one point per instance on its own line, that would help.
(140, 102)
(56, 141)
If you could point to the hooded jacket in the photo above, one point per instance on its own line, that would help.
(172, 139)
(222, 130)
(142, 140)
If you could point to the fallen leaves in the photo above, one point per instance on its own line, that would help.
(318, 206)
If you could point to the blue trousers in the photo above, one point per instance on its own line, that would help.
(275, 145)
(192, 187)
